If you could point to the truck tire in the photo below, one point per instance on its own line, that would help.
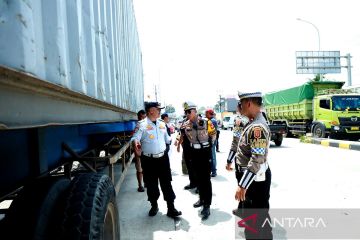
(319, 131)
(32, 213)
(90, 209)
(278, 140)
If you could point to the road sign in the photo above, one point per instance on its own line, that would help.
(318, 62)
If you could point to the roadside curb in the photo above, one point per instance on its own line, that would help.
(336, 143)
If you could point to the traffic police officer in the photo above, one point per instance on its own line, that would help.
(150, 142)
(201, 134)
(254, 173)
(186, 155)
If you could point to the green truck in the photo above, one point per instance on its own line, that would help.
(322, 108)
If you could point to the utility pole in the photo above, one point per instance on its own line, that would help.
(348, 61)
(155, 94)
(220, 104)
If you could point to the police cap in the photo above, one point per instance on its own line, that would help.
(243, 95)
(149, 105)
(189, 105)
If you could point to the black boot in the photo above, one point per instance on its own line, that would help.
(190, 186)
(154, 209)
(199, 203)
(205, 212)
(172, 212)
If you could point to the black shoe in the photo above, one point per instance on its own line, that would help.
(205, 212)
(199, 203)
(153, 211)
(213, 174)
(187, 187)
(172, 212)
(237, 212)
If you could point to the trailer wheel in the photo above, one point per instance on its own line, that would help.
(32, 213)
(319, 131)
(90, 209)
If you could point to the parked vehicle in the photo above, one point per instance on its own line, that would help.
(228, 122)
(70, 86)
(321, 108)
(278, 131)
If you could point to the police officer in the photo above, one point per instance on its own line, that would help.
(165, 119)
(139, 175)
(186, 154)
(253, 190)
(150, 142)
(201, 134)
(240, 122)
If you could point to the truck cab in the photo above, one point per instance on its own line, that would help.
(337, 115)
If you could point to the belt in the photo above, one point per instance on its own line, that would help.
(158, 155)
(199, 145)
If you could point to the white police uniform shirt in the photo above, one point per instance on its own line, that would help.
(153, 137)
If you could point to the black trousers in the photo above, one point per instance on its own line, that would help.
(257, 202)
(189, 165)
(157, 170)
(201, 161)
(217, 139)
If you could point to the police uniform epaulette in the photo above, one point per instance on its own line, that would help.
(141, 121)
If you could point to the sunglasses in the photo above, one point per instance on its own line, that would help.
(188, 111)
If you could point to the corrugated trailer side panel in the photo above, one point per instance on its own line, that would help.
(90, 47)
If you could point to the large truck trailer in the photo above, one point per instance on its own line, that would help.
(71, 82)
(322, 108)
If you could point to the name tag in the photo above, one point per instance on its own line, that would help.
(261, 176)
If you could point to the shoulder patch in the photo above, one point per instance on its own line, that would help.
(162, 125)
(257, 132)
(258, 140)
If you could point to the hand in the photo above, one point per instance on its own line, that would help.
(240, 194)
(178, 148)
(137, 148)
(176, 143)
(228, 167)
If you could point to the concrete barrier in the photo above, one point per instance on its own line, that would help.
(333, 143)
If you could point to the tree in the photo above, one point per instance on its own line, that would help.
(201, 110)
(169, 109)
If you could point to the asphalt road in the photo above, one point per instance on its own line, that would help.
(303, 176)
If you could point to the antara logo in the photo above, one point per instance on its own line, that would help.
(253, 219)
(249, 223)
(354, 119)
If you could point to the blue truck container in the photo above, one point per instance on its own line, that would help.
(71, 82)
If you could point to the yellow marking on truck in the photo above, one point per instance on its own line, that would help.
(344, 145)
(325, 143)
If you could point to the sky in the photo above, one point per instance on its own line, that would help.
(196, 50)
